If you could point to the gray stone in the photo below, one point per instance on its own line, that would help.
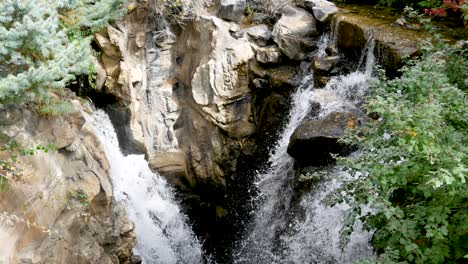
(294, 32)
(260, 83)
(314, 142)
(325, 65)
(259, 34)
(232, 10)
(270, 54)
(321, 9)
(260, 18)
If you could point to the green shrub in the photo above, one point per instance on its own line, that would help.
(411, 163)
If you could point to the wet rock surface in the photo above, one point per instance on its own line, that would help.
(325, 65)
(393, 44)
(214, 96)
(315, 142)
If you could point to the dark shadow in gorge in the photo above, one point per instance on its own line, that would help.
(222, 235)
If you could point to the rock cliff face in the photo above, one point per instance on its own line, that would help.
(196, 101)
(190, 102)
(199, 79)
(60, 210)
(215, 99)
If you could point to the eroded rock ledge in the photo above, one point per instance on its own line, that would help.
(195, 102)
(63, 201)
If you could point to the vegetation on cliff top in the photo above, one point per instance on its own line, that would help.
(44, 44)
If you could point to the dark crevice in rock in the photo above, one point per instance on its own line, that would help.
(118, 113)
(120, 118)
(81, 87)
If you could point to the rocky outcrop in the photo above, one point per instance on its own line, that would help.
(392, 44)
(324, 65)
(139, 74)
(322, 9)
(213, 89)
(232, 10)
(294, 32)
(314, 142)
(60, 209)
(270, 54)
(259, 34)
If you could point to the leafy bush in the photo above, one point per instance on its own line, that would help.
(411, 165)
(45, 43)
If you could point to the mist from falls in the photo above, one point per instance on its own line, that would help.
(289, 227)
(163, 235)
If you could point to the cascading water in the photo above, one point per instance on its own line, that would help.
(162, 233)
(286, 227)
(306, 231)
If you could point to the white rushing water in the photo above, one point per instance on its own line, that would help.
(308, 231)
(162, 233)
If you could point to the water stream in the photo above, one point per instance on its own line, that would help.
(287, 229)
(163, 235)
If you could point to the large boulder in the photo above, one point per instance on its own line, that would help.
(294, 32)
(232, 10)
(314, 142)
(219, 84)
(321, 9)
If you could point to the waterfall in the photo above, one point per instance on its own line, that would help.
(306, 231)
(163, 235)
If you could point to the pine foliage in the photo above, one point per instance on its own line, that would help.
(40, 50)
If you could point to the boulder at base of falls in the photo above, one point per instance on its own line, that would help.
(326, 64)
(294, 32)
(321, 9)
(314, 142)
(232, 10)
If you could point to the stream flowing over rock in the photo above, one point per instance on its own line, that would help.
(163, 235)
(291, 224)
